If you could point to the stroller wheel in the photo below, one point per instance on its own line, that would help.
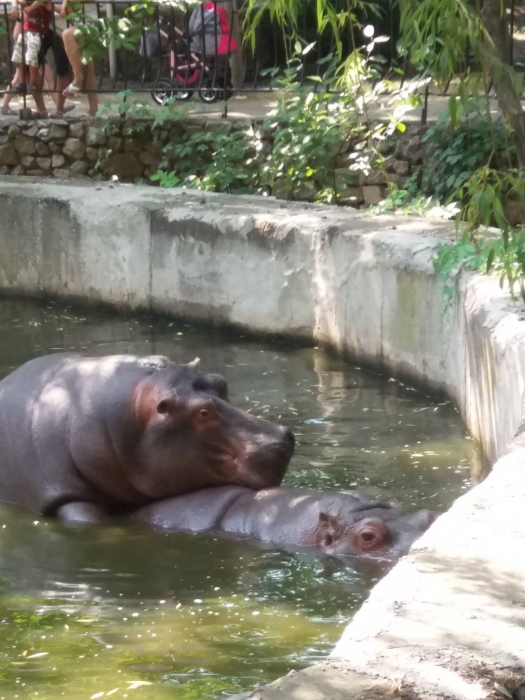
(213, 91)
(183, 94)
(164, 90)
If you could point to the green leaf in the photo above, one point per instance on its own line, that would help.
(490, 260)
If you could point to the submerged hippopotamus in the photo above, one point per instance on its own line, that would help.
(82, 438)
(339, 523)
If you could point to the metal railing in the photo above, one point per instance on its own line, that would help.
(180, 52)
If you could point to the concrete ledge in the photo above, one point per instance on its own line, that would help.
(449, 620)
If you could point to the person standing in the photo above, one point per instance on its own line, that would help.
(84, 78)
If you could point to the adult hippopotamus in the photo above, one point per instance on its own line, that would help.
(82, 438)
(340, 524)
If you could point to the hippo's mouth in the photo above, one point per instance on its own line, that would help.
(250, 463)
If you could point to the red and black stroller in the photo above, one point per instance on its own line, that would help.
(195, 60)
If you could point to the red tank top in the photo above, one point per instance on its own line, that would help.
(38, 21)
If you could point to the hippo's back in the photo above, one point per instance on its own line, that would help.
(38, 405)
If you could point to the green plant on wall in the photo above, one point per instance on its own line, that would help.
(319, 123)
(216, 160)
(456, 151)
(467, 165)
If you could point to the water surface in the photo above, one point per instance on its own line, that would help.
(126, 612)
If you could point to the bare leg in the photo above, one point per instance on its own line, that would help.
(17, 78)
(62, 81)
(71, 46)
(91, 86)
(83, 76)
(34, 77)
(39, 102)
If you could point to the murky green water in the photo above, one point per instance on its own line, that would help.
(124, 612)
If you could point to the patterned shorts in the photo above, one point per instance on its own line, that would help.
(32, 43)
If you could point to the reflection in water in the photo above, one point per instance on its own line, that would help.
(123, 611)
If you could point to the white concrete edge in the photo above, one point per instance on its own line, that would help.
(365, 286)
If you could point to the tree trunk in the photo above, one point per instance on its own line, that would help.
(506, 93)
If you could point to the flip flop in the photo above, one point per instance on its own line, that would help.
(7, 112)
(72, 90)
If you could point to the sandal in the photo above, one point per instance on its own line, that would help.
(7, 112)
(58, 115)
(72, 90)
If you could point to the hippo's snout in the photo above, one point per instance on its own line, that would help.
(287, 441)
(267, 456)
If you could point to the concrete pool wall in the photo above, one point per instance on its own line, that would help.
(362, 285)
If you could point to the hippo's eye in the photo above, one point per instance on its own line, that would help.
(368, 536)
(371, 534)
(205, 412)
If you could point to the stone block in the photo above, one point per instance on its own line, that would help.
(77, 130)
(55, 148)
(351, 195)
(372, 194)
(18, 170)
(4, 170)
(150, 159)
(409, 150)
(133, 145)
(25, 145)
(223, 125)
(4, 138)
(401, 167)
(126, 166)
(42, 149)
(44, 163)
(79, 167)
(398, 180)
(96, 137)
(64, 174)
(346, 177)
(28, 162)
(53, 132)
(74, 148)
(514, 212)
(8, 154)
(57, 161)
(35, 173)
(31, 132)
(91, 154)
(13, 130)
(376, 177)
(115, 143)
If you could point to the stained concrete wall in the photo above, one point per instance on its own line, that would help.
(365, 286)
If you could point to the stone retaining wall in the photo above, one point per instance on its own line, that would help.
(129, 151)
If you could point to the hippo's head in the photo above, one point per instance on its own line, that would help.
(378, 532)
(192, 437)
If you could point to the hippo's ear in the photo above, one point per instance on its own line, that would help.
(194, 362)
(327, 529)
